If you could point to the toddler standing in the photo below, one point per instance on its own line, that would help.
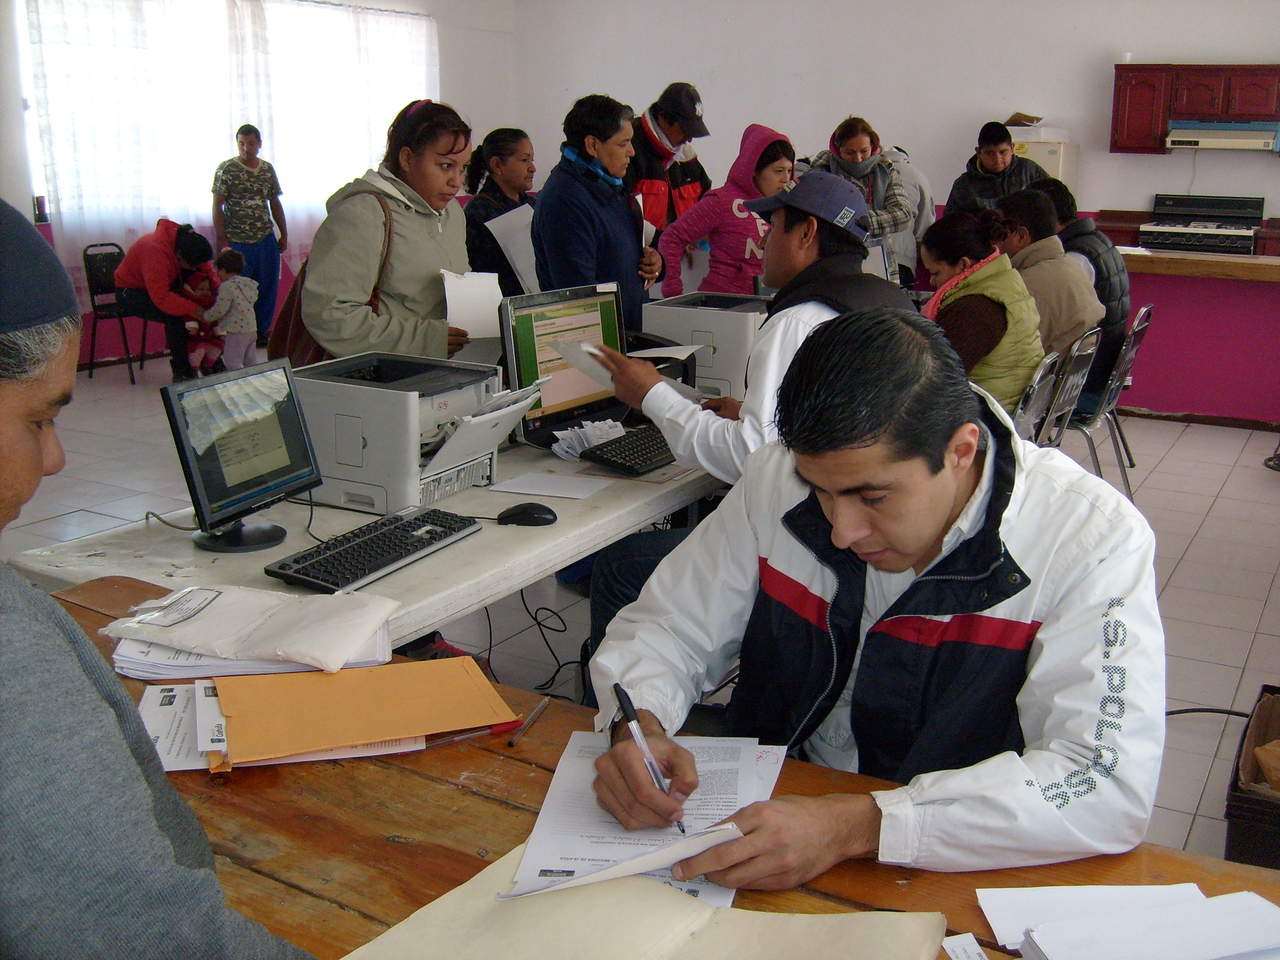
(233, 311)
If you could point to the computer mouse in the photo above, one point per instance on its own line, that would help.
(527, 515)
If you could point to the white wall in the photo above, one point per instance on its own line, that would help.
(926, 73)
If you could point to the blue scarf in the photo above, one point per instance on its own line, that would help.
(591, 165)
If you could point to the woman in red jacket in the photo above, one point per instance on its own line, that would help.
(156, 281)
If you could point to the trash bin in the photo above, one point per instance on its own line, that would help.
(1253, 808)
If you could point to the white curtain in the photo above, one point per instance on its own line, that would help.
(135, 102)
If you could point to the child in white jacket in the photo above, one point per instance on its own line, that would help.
(233, 311)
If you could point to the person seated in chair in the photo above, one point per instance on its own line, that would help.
(994, 171)
(913, 593)
(1064, 297)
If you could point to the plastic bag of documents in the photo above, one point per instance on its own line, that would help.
(240, 623)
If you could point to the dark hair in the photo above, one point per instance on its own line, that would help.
(778, 150)
(854, 126)
(192, 247)
(419, 125)
(1031, 209)
(231, 261)
(875, 374)
(594, 115)
(249, 130)
(497, 145)
(1064, 204)
(963, 234)
(993, 133)
(832, 240)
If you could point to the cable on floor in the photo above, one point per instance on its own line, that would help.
(543, 627)
(1225, 713)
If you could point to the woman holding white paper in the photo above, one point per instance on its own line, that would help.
(373, 280)
(499, 180)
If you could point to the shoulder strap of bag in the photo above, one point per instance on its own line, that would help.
(376, 296)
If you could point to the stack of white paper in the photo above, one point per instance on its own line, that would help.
(154, 661)
(571, 442)
(575, 842)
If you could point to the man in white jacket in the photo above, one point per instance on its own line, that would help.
(913, 593)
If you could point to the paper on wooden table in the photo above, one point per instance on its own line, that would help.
(278, 715)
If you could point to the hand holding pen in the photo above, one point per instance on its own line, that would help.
(630, 781)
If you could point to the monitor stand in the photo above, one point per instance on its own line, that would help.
(241, 537)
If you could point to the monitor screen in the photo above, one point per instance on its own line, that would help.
(242, 441)
(533, 324)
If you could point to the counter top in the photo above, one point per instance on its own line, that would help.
(1226, 266)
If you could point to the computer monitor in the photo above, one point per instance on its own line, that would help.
(243, 445)
(531, 325)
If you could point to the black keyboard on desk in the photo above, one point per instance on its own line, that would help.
(635, 452)
(360, 556)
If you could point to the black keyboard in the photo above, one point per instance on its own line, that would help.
(362, 555)
(635, 452)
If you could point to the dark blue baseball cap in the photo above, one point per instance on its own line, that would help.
(823, 195)
(34, 289)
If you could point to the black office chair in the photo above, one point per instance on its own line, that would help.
(1035, 398)
(1072, 373)
(100, 262)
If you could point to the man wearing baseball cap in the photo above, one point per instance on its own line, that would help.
(813, 256)
(102, 857)
(665, 171)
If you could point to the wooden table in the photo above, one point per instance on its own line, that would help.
(330, 854)
(439, 588)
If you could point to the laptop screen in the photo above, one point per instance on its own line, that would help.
(531, 327)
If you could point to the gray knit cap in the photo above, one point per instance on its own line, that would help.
(34, 289)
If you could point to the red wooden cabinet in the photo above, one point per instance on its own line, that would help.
(1149, 95)
(1140, 108)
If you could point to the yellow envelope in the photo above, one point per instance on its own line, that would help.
(275, 715)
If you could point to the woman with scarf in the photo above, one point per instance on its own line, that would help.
(854, 153)
(982, 304)
(586, 228)
(499, 180)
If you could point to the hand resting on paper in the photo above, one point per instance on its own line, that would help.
(632, 378)
(458, 338)
(623, 785)
(788, 841)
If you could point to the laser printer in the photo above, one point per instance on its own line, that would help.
(726, 322)
(395, 431)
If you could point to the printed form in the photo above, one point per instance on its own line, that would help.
(575, 842)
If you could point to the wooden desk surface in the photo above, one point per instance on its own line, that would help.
(330, 854)
(1180, 263)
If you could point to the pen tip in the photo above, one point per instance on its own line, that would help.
(680, 826)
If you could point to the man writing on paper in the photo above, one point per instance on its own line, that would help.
(101, 857)
(916, 594)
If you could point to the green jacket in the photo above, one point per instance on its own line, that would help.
(1006, 370)
(344, 265)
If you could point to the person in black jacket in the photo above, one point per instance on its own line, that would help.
(499, 180)
(665, 172)
(994, 171)
(1081, 236)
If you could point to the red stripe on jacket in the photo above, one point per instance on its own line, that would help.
(972, 628)
(793, 595)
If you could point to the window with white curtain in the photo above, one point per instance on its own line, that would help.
(135, 102)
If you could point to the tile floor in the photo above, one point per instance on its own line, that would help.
(1214, 507)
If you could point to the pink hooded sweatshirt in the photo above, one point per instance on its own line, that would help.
(736, 234)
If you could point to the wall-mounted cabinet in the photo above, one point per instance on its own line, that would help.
(1147, 96)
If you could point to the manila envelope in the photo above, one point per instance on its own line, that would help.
(275, 715)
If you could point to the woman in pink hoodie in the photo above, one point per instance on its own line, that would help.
(763, 167)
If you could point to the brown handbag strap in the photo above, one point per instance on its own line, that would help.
(376, 296)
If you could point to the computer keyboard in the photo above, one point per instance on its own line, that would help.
(635, 452)
(362, 555)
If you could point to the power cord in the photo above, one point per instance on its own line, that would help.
(1225, 713)
(488, 654)
(152, 515)
(543, 627)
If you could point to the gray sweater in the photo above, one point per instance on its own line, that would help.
(99, 856)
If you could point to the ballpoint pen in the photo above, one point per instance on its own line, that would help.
(528, 721)
(468, 734)
(633, 724)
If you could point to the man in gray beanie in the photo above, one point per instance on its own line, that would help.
(101, 857)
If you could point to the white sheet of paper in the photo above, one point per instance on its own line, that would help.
(211, 724)
(1011, 910)
(581, 360)
(963, 946)
(472, 301)
(675, 352)
(569, 486)
(168, 713)
(514, 233)
(574, 836)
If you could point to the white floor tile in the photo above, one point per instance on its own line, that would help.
(1172, 500)
(1264, 655)
(1173, 521)
(1255, 532)
(1193, 468)
(1251, 682)
(135, 507)
(1200, 606)
(83, 493)
(1164, 570)
(1208, 837)
(41, 508)
(1208, 684)
(1270, 622)
(1246, 556)
(71, 526)
(1200, 641)
(1227, 508)
(1171, 546)
(522, 673)
(1198, 733)
(1182, 483)
(1229, 581)
(529, 645)
(1231, 735)
(1182, 780)
(1256, 484)
(1213, 801)
(15, 540)
(1169, 827)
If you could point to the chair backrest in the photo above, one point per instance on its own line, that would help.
(1036, 397)
(100, 262)
(1072, 373)
(1124, 360)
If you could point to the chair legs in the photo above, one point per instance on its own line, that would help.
(1124, 442)
(1112, 427)
(124, 342)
